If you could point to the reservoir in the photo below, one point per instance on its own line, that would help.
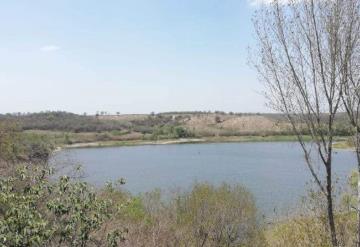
(275, 172)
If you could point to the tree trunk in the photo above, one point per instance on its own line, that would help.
(357, 150)
(358, 211)
(330, 209)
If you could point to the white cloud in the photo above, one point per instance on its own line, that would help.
(50, 48)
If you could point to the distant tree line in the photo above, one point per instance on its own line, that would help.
(62, 121)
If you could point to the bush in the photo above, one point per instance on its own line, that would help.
(36, 212)
(205, 216)
(170, 131)
(219, 216)
(308, 226)
(181, 132)
(37, 148)
(10, 148)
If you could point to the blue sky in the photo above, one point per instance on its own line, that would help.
(132, 56)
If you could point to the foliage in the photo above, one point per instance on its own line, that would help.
(15, 146)
(219, 216)
(35, 211)
(62, 121)
(37, 148)
(205, 216)
(170, 131)
(9, 140)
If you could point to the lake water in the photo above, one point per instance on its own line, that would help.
(275, 172)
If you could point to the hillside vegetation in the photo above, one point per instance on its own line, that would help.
(65, 128)
(204, 123)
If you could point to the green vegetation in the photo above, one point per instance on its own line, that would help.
(204, 216)
(35, 211)
(170, 132)
(61, 121)
(16, 146)
(222, 216)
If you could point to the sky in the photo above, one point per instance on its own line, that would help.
(135, 56)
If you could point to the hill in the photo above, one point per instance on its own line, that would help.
(202, 123)
(70, 128)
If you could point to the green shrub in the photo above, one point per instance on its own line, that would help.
(10, 148)
(37, 212)
(219, 216)
(169, 132)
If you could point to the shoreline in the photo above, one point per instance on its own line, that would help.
(339, 144)
(229, 139)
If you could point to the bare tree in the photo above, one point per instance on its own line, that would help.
(302, 51)
(350, 75)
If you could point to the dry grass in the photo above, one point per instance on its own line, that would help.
(213, 124)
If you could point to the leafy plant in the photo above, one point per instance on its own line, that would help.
(35, 211)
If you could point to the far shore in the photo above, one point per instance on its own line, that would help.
(218, 139)
(340, 142)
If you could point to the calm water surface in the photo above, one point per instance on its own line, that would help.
(274, 172)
